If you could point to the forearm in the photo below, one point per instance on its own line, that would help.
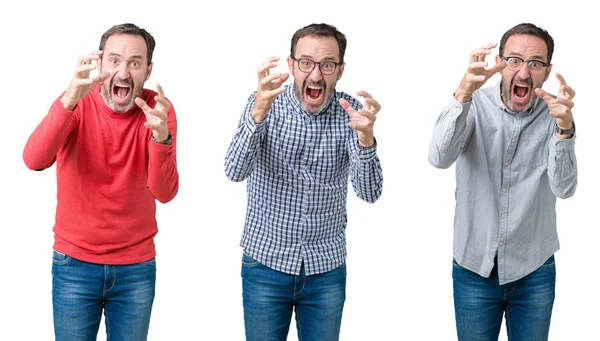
(242, 151)
(451, 131)
(49, 136)
(366, 175)
(562, 167)
(163, 177)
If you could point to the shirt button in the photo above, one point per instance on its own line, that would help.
(504, 189)
(504, 216)
(501, 243)
(310, 144)
(513, 140)
(506, 164)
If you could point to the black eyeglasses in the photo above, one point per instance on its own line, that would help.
(516, 63)
(308, 65)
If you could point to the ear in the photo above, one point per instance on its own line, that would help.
(290, 65)
(548, 69)
(149, 72)
(498, 59)
(341, 71)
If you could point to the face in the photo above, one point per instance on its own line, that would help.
(124, 57)
(313, 90)
(518, 86)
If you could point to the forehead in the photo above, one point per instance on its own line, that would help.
(317, 47)
(526, 46)
(125, 45)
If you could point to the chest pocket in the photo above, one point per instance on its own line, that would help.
(331, 150)
(533, 150)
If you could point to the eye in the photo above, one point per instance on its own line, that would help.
(514, 60)
(534, 64)
(306, 62)
(327, 65)
(134, 64)
(113, 61)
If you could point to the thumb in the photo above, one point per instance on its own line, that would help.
(543, 94)
(101, 77)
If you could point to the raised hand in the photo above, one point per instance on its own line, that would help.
(477, 73)
(156, 119)
(362, 120)
(82, 84)
(560, 107)
(269, 87)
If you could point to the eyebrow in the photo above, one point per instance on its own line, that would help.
(328, 58)
(534, 57)
(135, 56)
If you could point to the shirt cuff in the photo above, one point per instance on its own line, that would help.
(562, 145)
(464, 106)
(365, 154)
(251, 126)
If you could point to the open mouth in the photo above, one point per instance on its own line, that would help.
(121, 91)
(521, 90)
(313, 92)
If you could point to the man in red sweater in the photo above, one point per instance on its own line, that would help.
(114, 145)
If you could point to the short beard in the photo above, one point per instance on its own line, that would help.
(299, 92)
(107, 92)
(507, 93)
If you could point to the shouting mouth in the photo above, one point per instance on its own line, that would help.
(121, 91)
(521, 91)
(314, 96)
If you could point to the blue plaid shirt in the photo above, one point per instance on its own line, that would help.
(297, 165)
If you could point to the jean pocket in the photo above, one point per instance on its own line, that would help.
(60, 258)
(248, 261)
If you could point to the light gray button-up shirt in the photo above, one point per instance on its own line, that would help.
(510, 167)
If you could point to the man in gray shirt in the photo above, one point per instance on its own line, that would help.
(513, 144)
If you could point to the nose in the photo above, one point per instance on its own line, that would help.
(524, 72)
(123, 71)
(315, 74)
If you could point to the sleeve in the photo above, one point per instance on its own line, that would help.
(49, 136)
(366, 175)
(562, 166)
(163, 177)
(245, 144)
(452, 130)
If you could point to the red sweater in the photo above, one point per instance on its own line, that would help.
(109, 171)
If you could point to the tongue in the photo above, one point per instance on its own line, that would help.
(521, 91)
(122, 92)
(314, 93)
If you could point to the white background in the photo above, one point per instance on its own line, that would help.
(409, 57)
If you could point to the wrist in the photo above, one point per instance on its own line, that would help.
(562, 132)
(165, 140)
(161, 136)
(258, 115)
(366, 140)
(462, 96)
(67, 103)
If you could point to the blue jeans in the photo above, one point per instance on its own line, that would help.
(479, 304)
(81, 290)
(270, 296)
